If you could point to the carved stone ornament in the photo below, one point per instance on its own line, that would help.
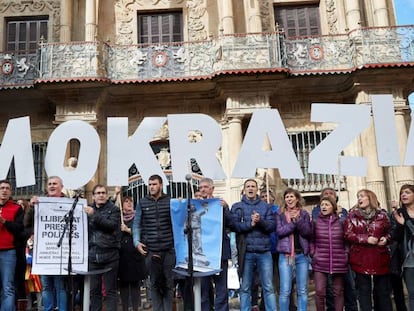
(125, 11)
(35, 7)
(332, 17)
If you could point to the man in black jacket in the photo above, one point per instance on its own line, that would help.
(104, 220)
(153, 237)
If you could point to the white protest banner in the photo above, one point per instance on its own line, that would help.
(48, 258)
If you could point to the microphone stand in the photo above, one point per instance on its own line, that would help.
(189, 232)
(69, 223)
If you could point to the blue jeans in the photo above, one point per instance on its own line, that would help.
(50, 285)
(264, 264)
(286, 273)
(7, 267)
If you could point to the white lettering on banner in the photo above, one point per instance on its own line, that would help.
(351, 120)
(17, 145)
(124, 150)
(90, 147)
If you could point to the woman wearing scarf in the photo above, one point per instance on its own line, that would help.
(367, 229)
(293, 228)
(131, 263)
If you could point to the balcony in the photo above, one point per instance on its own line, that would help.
(260, 52)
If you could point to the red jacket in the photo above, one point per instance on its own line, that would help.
(13, 214)
(367, 258)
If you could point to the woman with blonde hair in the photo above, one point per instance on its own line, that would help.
(367, 229)
(294, 230)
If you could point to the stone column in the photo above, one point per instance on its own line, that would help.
(90, 20)
(66, 20)
(254, 22)
(400, 175)
(380, 13)
(231, 148)
(227, 19)
(353, 14)
(375, 175)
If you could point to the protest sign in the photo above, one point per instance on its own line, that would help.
(207, 225)
(50, 222)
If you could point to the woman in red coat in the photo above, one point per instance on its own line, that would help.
(367, 229)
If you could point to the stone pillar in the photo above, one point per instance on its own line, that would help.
(66, 20)
(254, 22)
(400, 175)
(227, 19)
(380, 13)
(353, 14)
(90, 20)
(375, 175)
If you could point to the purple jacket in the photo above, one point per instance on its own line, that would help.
(285, 229)
(328, 245)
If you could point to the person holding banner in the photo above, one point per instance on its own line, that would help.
(254, 219)
(104, 226)
(53, 286)
(221, 302)
(11, 224)
(153, 237)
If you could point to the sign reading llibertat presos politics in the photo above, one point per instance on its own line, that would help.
(266, 125)
(50, 220)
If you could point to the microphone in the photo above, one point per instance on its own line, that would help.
(188, 177)
(77, 193)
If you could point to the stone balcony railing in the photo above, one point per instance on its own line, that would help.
(96, 61)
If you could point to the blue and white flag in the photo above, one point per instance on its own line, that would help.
(207, 226)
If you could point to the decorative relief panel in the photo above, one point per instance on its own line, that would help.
(332, 17)
(35, 7)
(125, 11)
(268, 24)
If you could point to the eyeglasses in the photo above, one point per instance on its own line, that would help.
(100, 192)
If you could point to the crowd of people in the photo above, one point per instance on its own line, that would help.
(355, 258)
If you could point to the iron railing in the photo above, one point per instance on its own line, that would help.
(79, 61)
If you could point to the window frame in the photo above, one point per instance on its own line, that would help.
(175, 20)
(310, 11)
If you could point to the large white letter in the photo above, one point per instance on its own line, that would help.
(17, 143)
(90, 147)
(385, 130)
(409, 151)
(266, 123)
(124, 151)
(204, 150)
(352, 120)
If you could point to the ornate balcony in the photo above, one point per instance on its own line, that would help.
(80, 61)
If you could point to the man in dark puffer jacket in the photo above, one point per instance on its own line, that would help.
(153, 237)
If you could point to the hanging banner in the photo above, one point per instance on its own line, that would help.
(206, 224)
(51, 236)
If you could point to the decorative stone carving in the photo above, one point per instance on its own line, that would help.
(196, 10)
(35, 7)
(332, 17)
(126, 9)
(265, 8)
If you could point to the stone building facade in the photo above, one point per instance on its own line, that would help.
(90, 59)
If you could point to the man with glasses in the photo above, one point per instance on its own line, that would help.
(104, 220)
(11, 223)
